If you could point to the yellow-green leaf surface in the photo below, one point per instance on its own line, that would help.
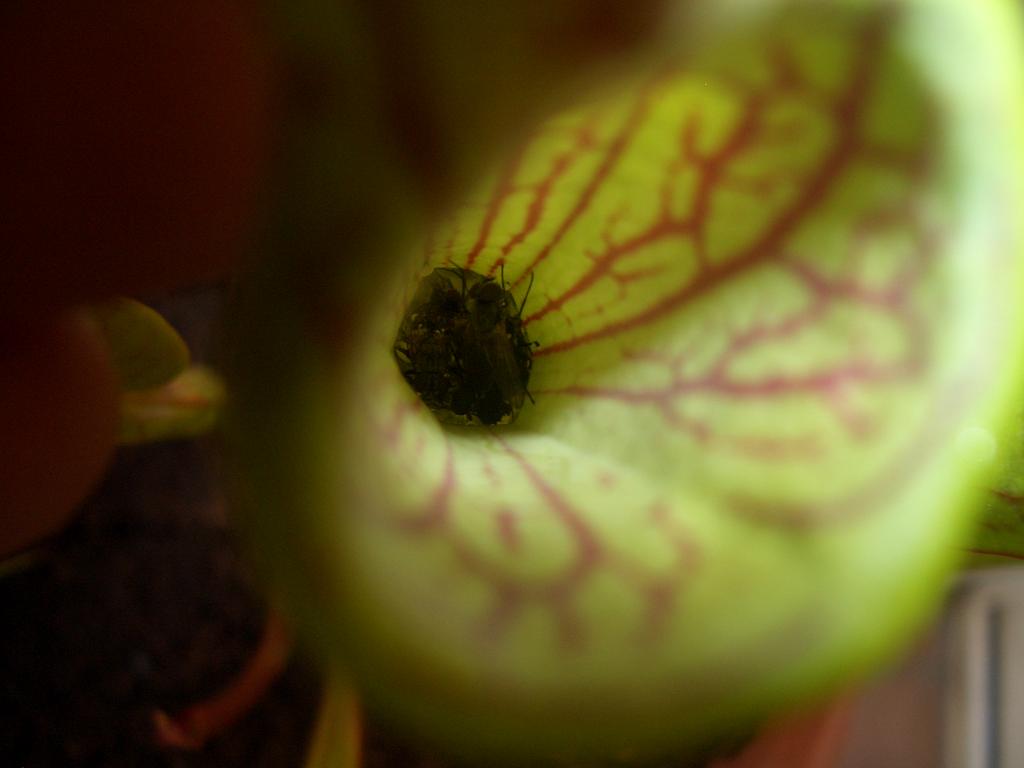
(146, 350)
(337, 734)
(187, 406)
(998, 538)
(776, 283)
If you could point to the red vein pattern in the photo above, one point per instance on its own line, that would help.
(790, 152)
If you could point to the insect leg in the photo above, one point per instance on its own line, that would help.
(522, 305)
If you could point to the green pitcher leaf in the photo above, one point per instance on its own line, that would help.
(775, 286)
(187, 406)
(146, 350)
(337, 734)
(998, 538)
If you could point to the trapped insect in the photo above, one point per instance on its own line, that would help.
(463, 349)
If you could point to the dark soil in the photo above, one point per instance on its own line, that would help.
(142, 604)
